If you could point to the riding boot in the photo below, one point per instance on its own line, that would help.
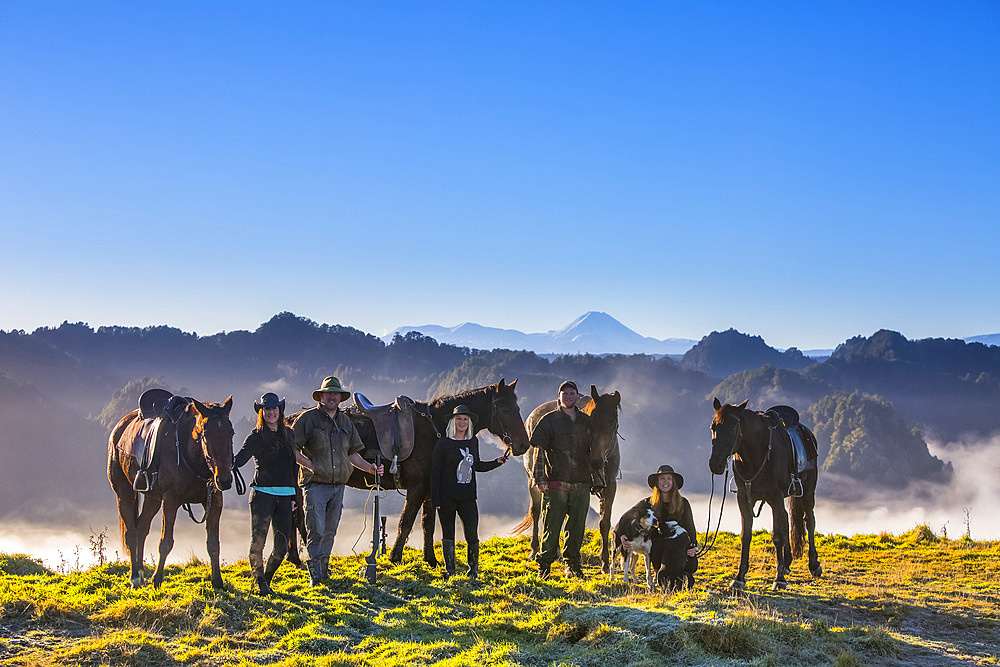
(472, 555)
(272, 566)
(315, 572)
(448, 550)
(324, 569)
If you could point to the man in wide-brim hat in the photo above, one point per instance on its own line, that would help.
(327, 438)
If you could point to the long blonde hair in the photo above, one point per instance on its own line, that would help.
(450, 430)
(669, 505)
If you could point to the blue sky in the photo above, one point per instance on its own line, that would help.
(685, 167)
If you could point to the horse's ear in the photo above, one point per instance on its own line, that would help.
(500, 385)
(200, 407)
(512, 384)
(618, 398)
(228, 405)
(593, 392)
(743, 405)
(716, 404)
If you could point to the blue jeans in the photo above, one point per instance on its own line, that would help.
(322, 504)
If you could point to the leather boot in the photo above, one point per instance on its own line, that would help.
(472, 552)
(324, 569)
(315, 572)
(272, 567)
(448, 550)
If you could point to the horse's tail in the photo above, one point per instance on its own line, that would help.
(525, 524)
(797, 525)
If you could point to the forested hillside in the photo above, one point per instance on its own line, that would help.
(871, 403)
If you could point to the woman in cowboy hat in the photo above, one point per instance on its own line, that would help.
(271, 444)
(454, 464)
(668, 504)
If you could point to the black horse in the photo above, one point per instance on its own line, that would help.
(603, 410)
(496, 406)
(762, 467)
(195, 466)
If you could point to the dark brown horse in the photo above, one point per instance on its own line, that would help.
(195, 466)
(496, 406)
(603, 410)
(762, 466)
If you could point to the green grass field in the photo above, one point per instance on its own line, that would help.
(883, 600)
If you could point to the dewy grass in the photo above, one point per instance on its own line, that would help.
(883, 599)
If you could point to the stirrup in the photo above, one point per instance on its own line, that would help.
(795, 488)
(144, 481)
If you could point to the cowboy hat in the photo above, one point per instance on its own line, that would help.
(665, 470)
(331, 384)
(269, 401)
(464, 410)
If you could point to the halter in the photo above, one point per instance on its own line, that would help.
(748, 481)
(495, 417)
(182, 459)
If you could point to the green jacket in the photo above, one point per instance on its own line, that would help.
(564, 448)
(328, 441)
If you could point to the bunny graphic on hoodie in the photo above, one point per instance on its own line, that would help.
(464, 470)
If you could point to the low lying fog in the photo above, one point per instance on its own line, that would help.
(942, 508)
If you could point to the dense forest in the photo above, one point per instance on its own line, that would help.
(871, 403)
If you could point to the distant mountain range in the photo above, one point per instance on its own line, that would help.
(593, 333)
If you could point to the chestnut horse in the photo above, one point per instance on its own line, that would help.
(195, 466)
(496, 407)
(762, 470)
(603, 410)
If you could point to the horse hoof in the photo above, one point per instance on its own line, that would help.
(817, 571)
(737, 585)
(136, 582)
(779, 585)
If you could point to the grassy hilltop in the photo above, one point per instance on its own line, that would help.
(883, 599)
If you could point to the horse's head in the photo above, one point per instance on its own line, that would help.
(506, 422)
(603, 413)
(726, 434)
(214, 432)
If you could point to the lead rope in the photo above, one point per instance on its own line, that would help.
(710, 541)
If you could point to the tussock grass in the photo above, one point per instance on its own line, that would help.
(914, 598)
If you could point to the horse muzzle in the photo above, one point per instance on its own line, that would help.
(717, 465)
(224, 480)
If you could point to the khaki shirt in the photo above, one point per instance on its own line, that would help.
(328, 441)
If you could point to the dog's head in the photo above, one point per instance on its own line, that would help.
(671, 529)
(646, 523)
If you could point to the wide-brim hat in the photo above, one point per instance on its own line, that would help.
(464, 410)
(665, 470)
(331, 384)
(269, 401)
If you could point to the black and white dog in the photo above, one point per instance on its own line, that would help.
(675, 542)
(636, 528)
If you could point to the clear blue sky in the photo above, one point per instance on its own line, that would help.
(683, 166)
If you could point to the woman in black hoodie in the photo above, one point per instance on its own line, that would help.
(454, 464)
(273, 486)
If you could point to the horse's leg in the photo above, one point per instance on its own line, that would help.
(150, 506)
(746, 534)
(411, 506)
(427, 523)
(128, 513)
(536, 511)
(809, 504)
(170, 506)
(212, 520)
(779, 535)
(607, 500)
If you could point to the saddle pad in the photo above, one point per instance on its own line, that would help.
(139, 438)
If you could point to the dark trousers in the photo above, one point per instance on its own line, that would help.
(656, 554)
(274, 512)
(469, 513)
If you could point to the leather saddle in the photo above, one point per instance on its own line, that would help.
(156, 406)
(393, 426)
(803, 442)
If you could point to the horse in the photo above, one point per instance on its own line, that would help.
(195, 466)
(606, 456)
(762, 468)
(496, 406)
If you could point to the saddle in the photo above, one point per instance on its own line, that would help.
(393, 426)
(803, 443)
(141, 436)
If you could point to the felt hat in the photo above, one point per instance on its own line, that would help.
(464, 410)
(665, 470)
(268, 401)
(330, 384)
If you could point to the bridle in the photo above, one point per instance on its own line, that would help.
(208, 461)
(495, 418)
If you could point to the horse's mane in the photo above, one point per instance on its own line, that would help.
(464, 394)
